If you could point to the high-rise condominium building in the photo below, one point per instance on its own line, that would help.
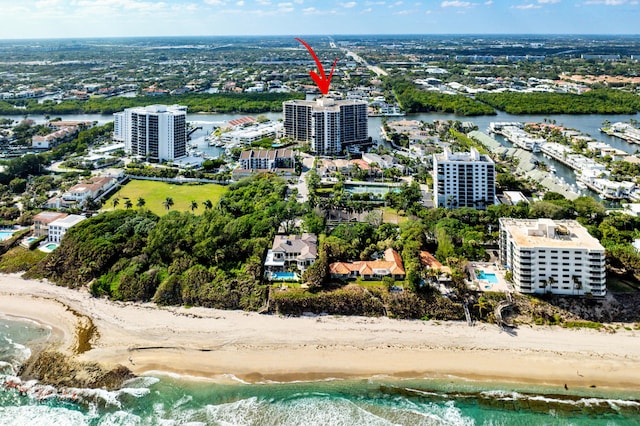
(156, 132)
(547, 256)
(327, 124)
(463, 179)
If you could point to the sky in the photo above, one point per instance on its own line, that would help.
(123, 18)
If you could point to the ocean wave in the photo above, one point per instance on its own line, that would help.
(556, 399)
(41, 415)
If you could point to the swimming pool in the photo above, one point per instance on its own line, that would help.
(284, 276)
(5, 235)
(52, 246)
(491, 278)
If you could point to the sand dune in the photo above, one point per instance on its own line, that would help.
(213, 344)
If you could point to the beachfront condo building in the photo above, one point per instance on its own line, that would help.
(548, 256)
(328, 125)
(155, 133)
(463, 179)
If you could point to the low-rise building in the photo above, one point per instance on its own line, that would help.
(53, 139)
(549, 256)
(88, 190)
(58, 228)
(280, 161)
(389, 266)
(299, 251)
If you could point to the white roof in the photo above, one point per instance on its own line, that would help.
(68, 222)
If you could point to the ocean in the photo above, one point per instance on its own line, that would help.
(162, 399)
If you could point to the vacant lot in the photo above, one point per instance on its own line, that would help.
(155, 193)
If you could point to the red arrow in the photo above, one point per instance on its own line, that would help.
(321, 80)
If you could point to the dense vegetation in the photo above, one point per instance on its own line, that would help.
(223, 102)
(599, 101)
(413, 100)
(214, 259)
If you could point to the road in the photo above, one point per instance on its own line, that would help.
(379, 71)
(301, 186)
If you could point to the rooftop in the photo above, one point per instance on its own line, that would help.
(68, 222)
(47, 217)
(473, 155)
(534, 233)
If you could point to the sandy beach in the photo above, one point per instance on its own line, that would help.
(217, 344)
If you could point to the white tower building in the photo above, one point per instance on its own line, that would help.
(463, 179)
(327, 124)
(547, 256)
(155, 132)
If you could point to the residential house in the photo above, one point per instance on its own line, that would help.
(53, 139)
(88, 190)
(389, 265)
(42, 220)
(58, 228)
(288, 251)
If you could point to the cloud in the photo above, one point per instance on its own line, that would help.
(240, 3)
(488, 3)
(121, 4)
(315, 11)
(548, 1)
(404, 12)
(215, 2)
(367, 10)
(264, 2)
(610, 2)
(47, 4)
(529, 6)
(349, 5)
(456, 3)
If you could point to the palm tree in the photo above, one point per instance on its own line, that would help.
(141, 202)
(194, 205)
(168, 203)
(128, 204)
(208, 205)
(115, 202)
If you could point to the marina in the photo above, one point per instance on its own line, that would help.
(589, 173)
(624, 131)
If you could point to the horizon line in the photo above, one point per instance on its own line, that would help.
(104, 37)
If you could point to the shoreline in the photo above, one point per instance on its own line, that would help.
(237, 346)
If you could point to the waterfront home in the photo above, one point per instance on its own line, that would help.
(442, 273)
(389, 266)
(58, 228)
(292, 251)
(42, 220)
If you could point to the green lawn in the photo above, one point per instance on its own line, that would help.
(154, 193)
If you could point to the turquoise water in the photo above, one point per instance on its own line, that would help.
(166, 400)
(290, 276)
(51, 246)
(491, 278)
(5, 235)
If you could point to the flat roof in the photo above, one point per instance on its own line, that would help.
(541, 233)
(69, 221)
